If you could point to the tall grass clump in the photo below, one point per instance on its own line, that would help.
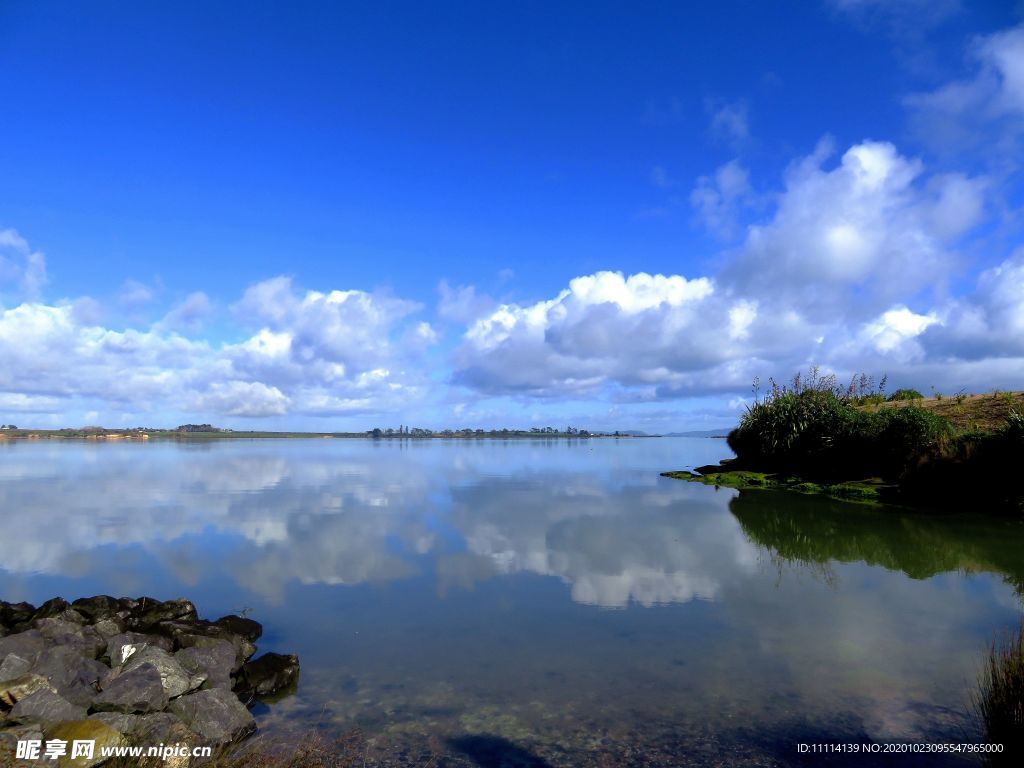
(816, 429)
(999, 699)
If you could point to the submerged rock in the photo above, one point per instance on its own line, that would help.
(270, 673)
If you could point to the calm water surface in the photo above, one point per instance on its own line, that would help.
(537, 603)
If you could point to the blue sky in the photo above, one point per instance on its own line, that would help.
(614, 215)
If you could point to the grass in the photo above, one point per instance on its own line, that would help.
(981, 412)
(812, 436)
(999, 700)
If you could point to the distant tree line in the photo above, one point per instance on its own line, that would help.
(405, 431)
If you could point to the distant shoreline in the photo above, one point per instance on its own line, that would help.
(169, 435)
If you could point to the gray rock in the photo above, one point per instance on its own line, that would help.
(215, 660)
(119, 721)
(173, 676)
(270, 673)
(50, 608)
(67, 634)
(117, 643)
(137, 690)
(9, 738)
(46, 707)
(216, 715)
(13, 691)
(148, 613)
(28, 644)
(13, 666)
(97, 608)
(247, 628)
(203, 634)
(13, 615)
(74, 676)
(110, 626)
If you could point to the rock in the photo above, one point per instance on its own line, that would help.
(110, 626)
(268, 674)
(173, 676)
(120, 721)
(28, 644)
(14, 666)
(149, 613)
(205, 634)
(51, 608)
(216, 715)
(215, 660)
(137, 690)
(12, 615)
(13, 691)
(64, 633)
(247, 628)
(116, 644)
(85, 730)
(73, 676)
(97, 608)
(9, 738)
(46, 707)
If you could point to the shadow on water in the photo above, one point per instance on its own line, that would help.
(488, 751)
(812, 531)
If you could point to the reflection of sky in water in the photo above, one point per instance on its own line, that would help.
(435, 584)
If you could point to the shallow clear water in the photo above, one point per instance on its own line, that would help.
(548, 602)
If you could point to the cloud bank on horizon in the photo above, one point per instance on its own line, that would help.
(861, 257)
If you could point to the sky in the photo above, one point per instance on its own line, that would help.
(606, 215)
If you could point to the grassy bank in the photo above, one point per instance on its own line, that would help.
(961, 452)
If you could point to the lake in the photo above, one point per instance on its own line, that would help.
(534, 602)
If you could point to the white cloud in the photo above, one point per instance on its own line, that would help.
(983, 110)
(135, 294)
(191, 312)
(20, 266)
(313, 352)
(717, 198)
(848, 272)
(462, 304)
(241, 398)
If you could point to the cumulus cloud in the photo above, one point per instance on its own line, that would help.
(848, 271)
(21, 268)
(190, 313)
(306, 352)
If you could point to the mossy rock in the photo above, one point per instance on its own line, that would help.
(84, 730)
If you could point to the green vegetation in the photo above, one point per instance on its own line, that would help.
(862, 491)
(999, 700)
(815, 437)
(905, 394)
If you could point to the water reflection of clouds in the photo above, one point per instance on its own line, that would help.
(349, 513)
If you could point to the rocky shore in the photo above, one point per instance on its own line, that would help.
(129, 671)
